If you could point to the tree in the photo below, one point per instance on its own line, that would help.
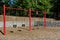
(31, 4)
(1, 6)
(56, 8)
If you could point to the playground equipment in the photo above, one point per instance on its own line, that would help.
(30, 20)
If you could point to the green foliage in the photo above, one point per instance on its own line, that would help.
(30, 4)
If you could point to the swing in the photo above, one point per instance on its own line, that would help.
(23, 22)
(15, 21)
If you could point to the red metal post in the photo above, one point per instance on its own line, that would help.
(4, 10)
(30, 20)
(44, 19)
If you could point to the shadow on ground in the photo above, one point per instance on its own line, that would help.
(1, 32)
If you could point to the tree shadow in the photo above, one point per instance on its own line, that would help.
(1, 32)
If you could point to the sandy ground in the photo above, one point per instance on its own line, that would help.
(50, 33)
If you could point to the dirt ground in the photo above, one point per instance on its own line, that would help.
(50, 33)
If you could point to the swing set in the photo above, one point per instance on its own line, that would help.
(30, 18)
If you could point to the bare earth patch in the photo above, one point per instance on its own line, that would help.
(50, 33)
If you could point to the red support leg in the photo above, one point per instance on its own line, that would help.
(44, 19)
(30, 21)
(4, 10)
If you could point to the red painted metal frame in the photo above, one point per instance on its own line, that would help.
(44, 19)
(4, 10)
(30, 20)
(30, 12)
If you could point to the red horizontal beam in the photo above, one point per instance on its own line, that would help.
(15, 8)
(21, 9)
(35, 11)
